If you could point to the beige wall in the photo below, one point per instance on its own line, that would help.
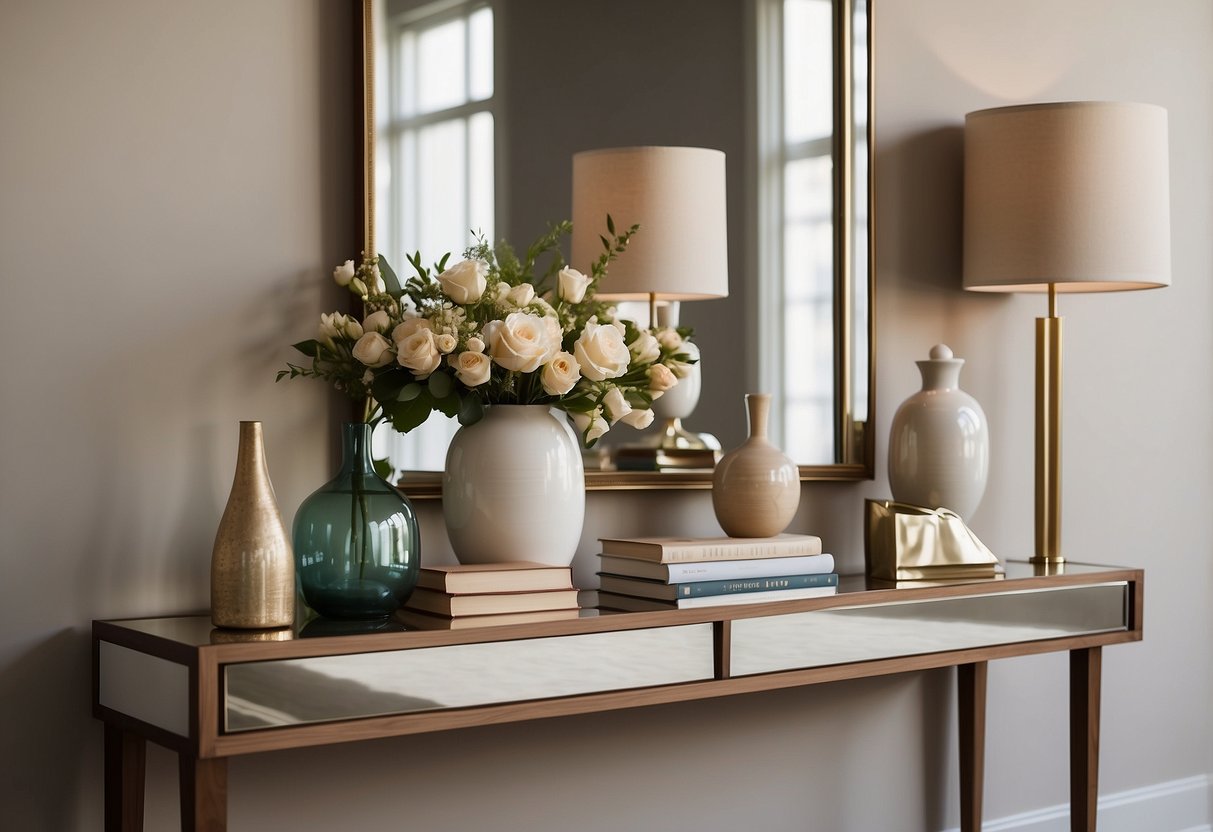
(175, 182)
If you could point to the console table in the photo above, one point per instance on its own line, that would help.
(212, 694)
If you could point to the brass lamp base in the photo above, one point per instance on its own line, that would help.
(674, 435)
(1048, 436)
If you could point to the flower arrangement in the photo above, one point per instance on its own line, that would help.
(494, 329)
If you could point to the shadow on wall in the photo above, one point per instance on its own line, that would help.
(921, 209)
(44, 741)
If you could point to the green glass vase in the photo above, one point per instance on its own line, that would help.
(357, 547)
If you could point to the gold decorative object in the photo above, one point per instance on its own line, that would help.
(252, 567)
(904, 542)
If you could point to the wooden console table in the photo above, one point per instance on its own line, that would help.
(210, 694)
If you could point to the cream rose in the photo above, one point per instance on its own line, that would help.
(571, 285)
(601, 352)
(373, 350)
(344, 273)
(445, 342)
(521, 294)
(669, 338)
(465, 281)
(350, 328)
(615, 405)
(521, 342)
(660, 379)
(330, 328)
(377, 321)
(475, 344)
(418, 353)
(639, 419)
(590, 426)
(645, 349)
(560, 374)
(408, 326)
(471, 368)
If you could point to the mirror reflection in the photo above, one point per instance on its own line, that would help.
(479, 108)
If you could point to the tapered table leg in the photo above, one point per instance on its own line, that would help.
(971, 700)
(1085, 668)
(125, 767)
(203, 794)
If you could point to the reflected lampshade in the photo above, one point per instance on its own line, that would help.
(677, 195)
(1074, 194)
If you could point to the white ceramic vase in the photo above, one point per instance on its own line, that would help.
(514, 488)
(755, 487)
(939, 447)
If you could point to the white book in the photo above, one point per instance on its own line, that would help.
(718, 570)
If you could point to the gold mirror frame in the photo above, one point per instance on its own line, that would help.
(856, 438)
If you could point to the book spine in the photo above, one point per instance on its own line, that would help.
(681, 573)
(701, 588)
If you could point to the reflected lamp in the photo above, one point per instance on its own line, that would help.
(677, 196)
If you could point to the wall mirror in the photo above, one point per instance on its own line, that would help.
(474, 109)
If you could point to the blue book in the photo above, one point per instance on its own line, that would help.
(658, 590)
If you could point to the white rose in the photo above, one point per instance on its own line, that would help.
(329, 329)
(521, 342)
(615, 405)
(351, 328)
(660, 379)
(418, 353)
(408, 326)
(377, 321)
(445, 342)
(669, 338)
(560, 374)
(571, 285)
(464, 282)
(373, 350)
(679, 368)
(475, 345)
(639, 419)
(601, 352)
(521, 294)
(344, 273)
(590, 426)
(645, 349)
(471, 368)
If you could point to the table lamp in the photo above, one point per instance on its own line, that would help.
(1064, 197)
(677, 195)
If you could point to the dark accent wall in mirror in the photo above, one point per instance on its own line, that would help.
(781, 86)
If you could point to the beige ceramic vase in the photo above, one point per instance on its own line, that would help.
(252, 567)
(756, 487)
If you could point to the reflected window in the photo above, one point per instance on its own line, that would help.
(796, 219)
(434, 161)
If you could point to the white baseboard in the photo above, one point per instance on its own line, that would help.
(1178, 806)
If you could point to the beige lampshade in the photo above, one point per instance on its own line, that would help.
(1074, 194)
(677, 195)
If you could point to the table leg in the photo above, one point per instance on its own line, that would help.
(971, 701)
(203, 793)
(125, 766)
(1085, 667)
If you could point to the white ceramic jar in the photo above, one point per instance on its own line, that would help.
(939, 446)
(514, 488)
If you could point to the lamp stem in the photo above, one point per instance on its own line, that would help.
(652, 309)
(1048, 435)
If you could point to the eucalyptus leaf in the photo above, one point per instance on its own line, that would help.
(471, 410)
(407, 415)
(410, 392)
(383, 467)
(310, 347)
(390, 280)
(440, 385)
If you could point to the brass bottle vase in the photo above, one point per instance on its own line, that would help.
(252, 567)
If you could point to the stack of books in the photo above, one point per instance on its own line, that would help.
(659, 573)
(477, 595)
